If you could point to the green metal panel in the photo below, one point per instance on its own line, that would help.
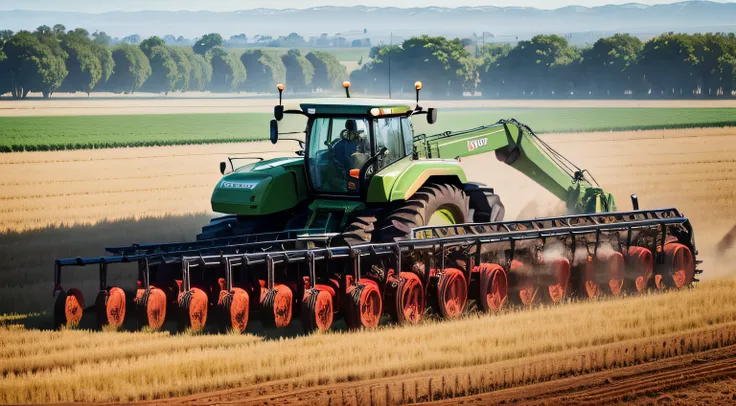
(262, 188)
(401, 179)
(326, 212)
(468, 143)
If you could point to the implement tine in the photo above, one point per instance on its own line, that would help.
(146, 275)
(103, 275)
(397, 251)
(356, 265)
(185, 274)
(226, 262)
(312, 273)
(271, 271)
(57, 274)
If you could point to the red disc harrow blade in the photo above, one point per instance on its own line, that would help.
(678, 270)
(452, 293)
(151, 307)
(405, 298)
(317, 309)
(559, 269)
(493, 287)
(110, 306)
(525, 290)
(277, 306)
(364, 305)
(235, 308)
(68, 307)
(640, 267)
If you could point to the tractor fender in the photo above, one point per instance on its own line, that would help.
(400, 180)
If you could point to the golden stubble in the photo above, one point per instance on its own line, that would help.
(64, 366)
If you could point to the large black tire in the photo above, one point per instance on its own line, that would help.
(485, 205)
(358, 231)
(419, 208)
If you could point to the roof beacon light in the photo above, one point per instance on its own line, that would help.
(280, 86)
(278, 111)
(418, 86)
(346, 85)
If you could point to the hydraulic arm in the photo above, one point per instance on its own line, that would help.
(518, 146)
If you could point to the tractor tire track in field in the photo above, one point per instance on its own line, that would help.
(625, 384)
(590, 376)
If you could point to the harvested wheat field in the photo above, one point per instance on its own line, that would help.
(518, 347)
(61, 204)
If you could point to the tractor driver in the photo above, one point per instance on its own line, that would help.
(352, 151)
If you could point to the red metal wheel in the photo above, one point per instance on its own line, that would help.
(317, 310)
(493, 288)
(678, 270)
(277, 306)
(365, 305)
(452, 293)
(235, 308)
(559, 269)
(613, 270)
(405, 299)
(640, 266)
(151, 306)
(524, 287)
(110, 307)
(588, 286)
(68, 307)
(193, 306)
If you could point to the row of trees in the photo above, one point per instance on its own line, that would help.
(292, 40)
(52, 60)
(670, 65)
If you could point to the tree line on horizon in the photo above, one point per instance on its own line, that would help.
(547, 66)
(52, 59)
(671, 65)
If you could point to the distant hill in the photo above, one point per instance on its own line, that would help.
(503, 22)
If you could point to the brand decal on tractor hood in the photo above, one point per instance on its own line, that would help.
(237, 185)
(474, 144)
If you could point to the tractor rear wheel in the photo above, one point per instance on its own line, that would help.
(434, 204)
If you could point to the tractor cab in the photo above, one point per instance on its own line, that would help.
(348, 140)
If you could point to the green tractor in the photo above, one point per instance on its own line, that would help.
(370, 218)
(364, 175)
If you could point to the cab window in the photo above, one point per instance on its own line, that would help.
(408, 135)
(336, 146)
(388, 134)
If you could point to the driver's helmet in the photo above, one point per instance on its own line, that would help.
(351, 131)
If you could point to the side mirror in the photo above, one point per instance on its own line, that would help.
(223, 167)
(274, 131)
(431, 116)
(278, 112)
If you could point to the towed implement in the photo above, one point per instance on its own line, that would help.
(371, 220)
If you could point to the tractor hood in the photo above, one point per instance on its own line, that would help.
(262, 188)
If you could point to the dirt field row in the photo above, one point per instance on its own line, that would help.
(672, 361)
(107, 104)
(700, 378)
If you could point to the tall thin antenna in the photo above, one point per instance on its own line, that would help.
(391, 44)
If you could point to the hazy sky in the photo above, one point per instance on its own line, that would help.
(98, 6)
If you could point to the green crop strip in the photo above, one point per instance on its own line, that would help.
(86, 132)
